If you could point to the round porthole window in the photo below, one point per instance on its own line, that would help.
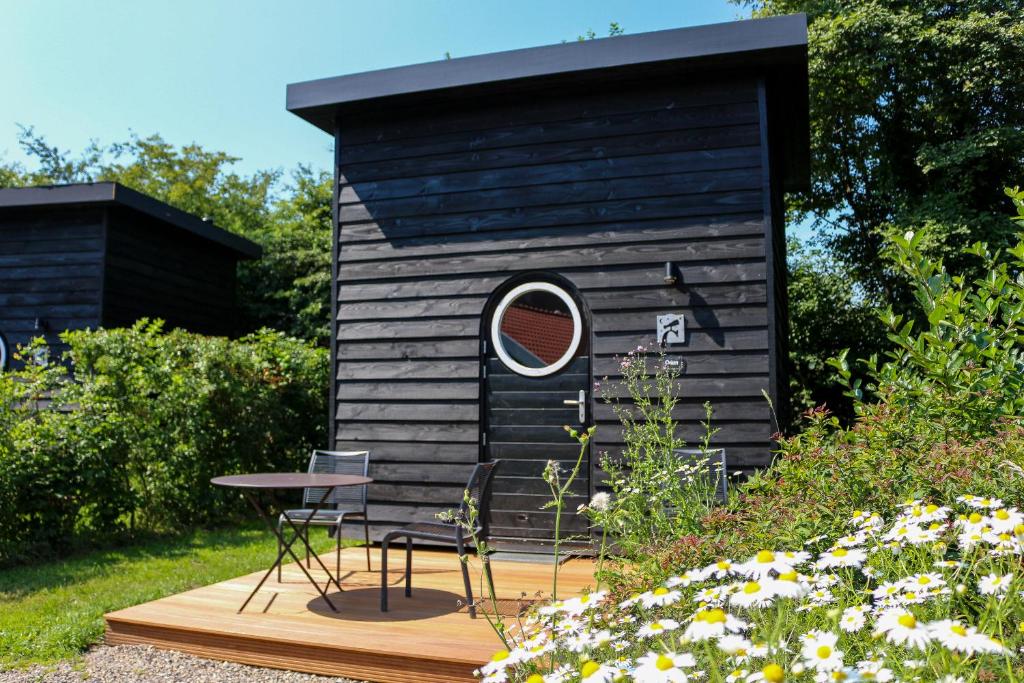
(536, 329)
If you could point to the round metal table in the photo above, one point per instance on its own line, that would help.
(252, 484)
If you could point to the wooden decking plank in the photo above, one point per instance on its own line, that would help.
(288, 626)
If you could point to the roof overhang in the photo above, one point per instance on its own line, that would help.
(774, 48)
(115, 194)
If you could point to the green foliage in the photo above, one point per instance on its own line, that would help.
(937, 416)
(826, 311)
(289, 287)
(915, 118)
(657, 494)
(133, 435)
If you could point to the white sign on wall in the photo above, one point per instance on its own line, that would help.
(671, 329)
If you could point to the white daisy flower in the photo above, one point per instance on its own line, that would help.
(764, 563)
(874, 670)
(737, 675)
(583, 603)
(853, 619)
(953, 635)
(712, 623)
(739, 649)
(994, 584)
(980, 503)
(719, 570)
(753, 594)
(593, 672)
(788, 586)
(684, 579)
(841, 557)
(660, 597)
(500, 660)
(663, 667)
(922, 514)
(656, 628)
(819, 651)
(923, 582)
(901, 627)
(852, 540)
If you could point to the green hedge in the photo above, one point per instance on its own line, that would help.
(127, 431)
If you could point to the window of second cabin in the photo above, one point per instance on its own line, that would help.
(536, 329)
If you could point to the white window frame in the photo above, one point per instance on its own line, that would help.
(499, 312)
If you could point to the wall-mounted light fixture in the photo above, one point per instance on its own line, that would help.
(670, 273)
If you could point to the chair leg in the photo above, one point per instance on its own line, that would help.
(465, 578)
(384, 574)
(337, 552)
(366, 533)
(279, 550)
(408, 567)
(307, 548)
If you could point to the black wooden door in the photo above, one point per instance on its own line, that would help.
(524, 427)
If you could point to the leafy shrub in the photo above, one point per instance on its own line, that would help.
(940, 414)
(129, 430)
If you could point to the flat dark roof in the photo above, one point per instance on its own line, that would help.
(770, 42)
(115, 194)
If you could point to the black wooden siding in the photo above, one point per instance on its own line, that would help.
(51, 265)
(157, 271)
(437, 207)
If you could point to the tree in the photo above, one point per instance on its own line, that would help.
(289, 288)
(916, 124)
(916, 121)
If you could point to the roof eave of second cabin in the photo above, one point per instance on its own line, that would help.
(771, 40)
(111, 193)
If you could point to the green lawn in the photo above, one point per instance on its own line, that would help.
(54, 610)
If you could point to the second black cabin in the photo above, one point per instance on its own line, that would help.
(509, 225)
(102, 255)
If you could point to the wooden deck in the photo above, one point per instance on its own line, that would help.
(287, 625)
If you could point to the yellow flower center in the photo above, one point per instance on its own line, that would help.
(773, 673)
(907, 621)
(588, 668)
(934, 526)
(1019, 530)
(787, 576)
(664, 663)
(535, 678)
(824, 652)
(711, 616)
(500, 656)
(916, 512)
(723, 565)
(974, 518)
(924, 580)
(911, 595)
(857, 514)
(661, 591)
(931, 508)
(840, 552)
(986, 502)
(765, 556)
(656, 626)
(751, 587)
(959, 630)
(1004, 537)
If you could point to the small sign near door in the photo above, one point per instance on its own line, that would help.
(671, 329)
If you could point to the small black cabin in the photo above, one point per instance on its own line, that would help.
(508, 224)
(102, 255)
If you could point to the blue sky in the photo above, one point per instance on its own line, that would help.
(214, 71)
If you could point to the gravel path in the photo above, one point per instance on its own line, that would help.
(130, 663)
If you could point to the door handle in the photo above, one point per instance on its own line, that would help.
(581, 403)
